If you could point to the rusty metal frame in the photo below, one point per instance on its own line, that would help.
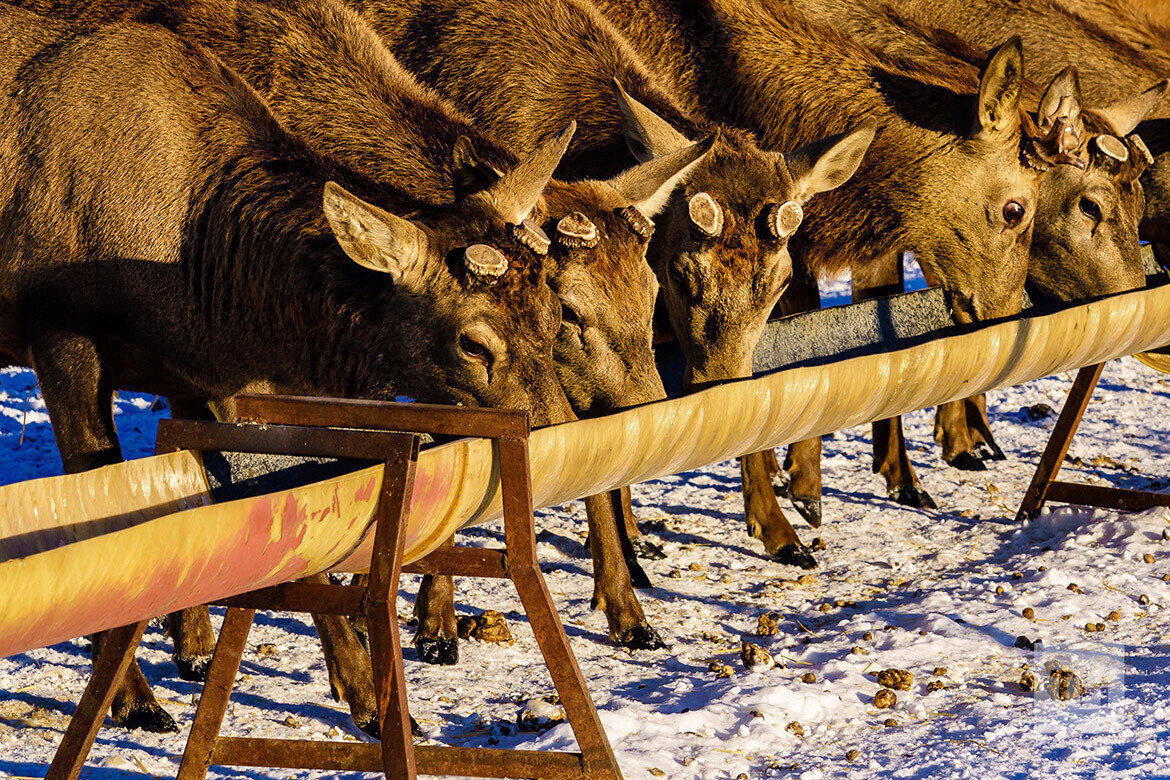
(1045, 487)
(365, 429)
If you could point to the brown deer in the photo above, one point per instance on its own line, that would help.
(335, 84)
(720, 248)
(1085, 237)
(752, 63)
(165, 233)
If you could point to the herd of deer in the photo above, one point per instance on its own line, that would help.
(355, 198)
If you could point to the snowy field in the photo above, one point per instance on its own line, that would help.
(939, 594)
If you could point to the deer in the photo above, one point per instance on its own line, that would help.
(720, 248)
(167, 233)
(1115, 45)
(1085, 240)
(937, 136)
(334, 84)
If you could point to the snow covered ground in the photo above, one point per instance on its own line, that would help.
(939, 594)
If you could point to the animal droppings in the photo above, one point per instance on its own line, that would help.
(266, 649)
(1064, 685)
(935, 685)
(940, 671)
(808, 677)
(795, 728)
(999, 591)
(884, 699)
(1144, 600)
(1029, 613)
(488, 627)
(721, 669)
(897, 679)
(1028, 682)
(867, 636)
(1038, 411)
(540, 714)
(858, 650)
(767, 625)
(890, 722)
(1075, 588)
(1148, 558)
(1115, 615)
(852, 754)
(817, 544)
(755, 657)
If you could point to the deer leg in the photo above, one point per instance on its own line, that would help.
(765, 521)
(800, 480)
(79, 392)
(351, 674)
(980, 429)
(613, 590)
(892, 461)
(802, 464)
(952, 433)
(194, 641)
(436, 639)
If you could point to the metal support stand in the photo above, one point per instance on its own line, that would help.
(1044, 486)
(364, 429)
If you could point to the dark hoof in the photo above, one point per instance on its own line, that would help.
(148, 716)
(989, 451)
(809, 508)
(638, 577)
(641, 637)
(373, 728)
(193, 669)
(415, 729)
(439, 652)
(966, 461)
(913, 496)
(647, 550)
(795, 555)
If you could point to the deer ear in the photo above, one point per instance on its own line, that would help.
(647, 134)
(377, 239)
(649, 185)
(827, 164)
(997, 110)
(469, 174)
(518, 191)
(1125, 115)
(1062, 98)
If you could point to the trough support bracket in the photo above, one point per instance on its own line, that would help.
(1045, 486)
(366, 430)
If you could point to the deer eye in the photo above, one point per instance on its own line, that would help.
(1090, 209)
(570, 317)
(475, 350)
(1013, 213)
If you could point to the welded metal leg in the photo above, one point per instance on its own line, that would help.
(109, 667)
(221, 678)
(382, 615)
(524, 569)
(1058, 443)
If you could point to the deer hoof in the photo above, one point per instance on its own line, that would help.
(809, 508)
(795, 554)
(373, 727)
(147, 716)
(642, 637)
(647, 550)
(438, 652)
(193, 669)
(638, 577)
(966, 461)
(914, 496)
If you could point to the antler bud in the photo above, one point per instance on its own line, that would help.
(530, 235)
(642, 224)
(484, 260)
(785, 218)
(706, 214)
(1112, 147)
(577, 231)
